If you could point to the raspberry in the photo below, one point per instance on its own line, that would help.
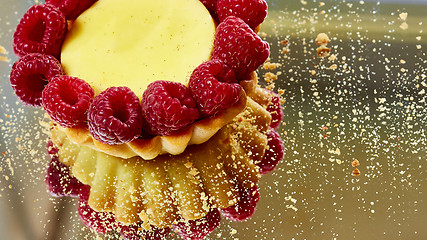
(273, 154)
(213, 87)
(51, 149)
(211, 6)
(66, 100)
(136, 232)
(253, 12)
(115, 116)
(275, 109)
(30, 74)
(41, 30)
(237, 45)
(101, 222)
(168, 107)
(245, 208)
(71, 8)
(200, 228)
(58, 179)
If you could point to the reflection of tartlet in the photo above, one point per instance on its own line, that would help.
(170, 155)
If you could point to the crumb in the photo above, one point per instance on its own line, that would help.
(356, 172)
(193, 171)
(188, 164)
(322, 39)
(333, 57)
(323, 51)
(284, 42)
(4, 59)
(355, 163)
(403, 16)
(270, 77)
(271, 66)
(3, 50)
(333, 67)
(404, 26)
(285, 50)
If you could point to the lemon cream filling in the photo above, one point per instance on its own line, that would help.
(135, 42)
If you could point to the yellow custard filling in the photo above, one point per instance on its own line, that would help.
(135, 42)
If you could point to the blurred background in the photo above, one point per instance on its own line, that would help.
(364, 100)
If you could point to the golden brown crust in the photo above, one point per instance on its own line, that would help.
(204, 176)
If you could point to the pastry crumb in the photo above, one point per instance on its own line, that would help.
(404, 26)
(323, 51)
(356, 172)
(188, 164)
(355, 163)
(271, 66)
(322, 39)
(3, 50)
(4, 59)
(403, 16)
(193, 171)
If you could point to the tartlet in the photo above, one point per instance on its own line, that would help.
(161, 179)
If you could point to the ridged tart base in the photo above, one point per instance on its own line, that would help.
(158, 191)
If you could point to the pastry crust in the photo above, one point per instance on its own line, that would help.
(169, 186)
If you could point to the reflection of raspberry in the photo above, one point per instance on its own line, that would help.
(71, 8)
(243, 209)
(41, 30)
(275, 109)
(213, 87)
(101, 222)
(115, 116)
(66, 100)
(168, 107)
(253, 12)
(200, 228)
(58, 179)
(273, 154)
(136, 232)
(30, 74)
(237, 45)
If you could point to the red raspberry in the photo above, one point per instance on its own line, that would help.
(275, 109)
(238, 46)
(51, 148)
(136, 232)
(211, 6)
(200, 228)
(58, 179)
(168, 107)
(41, 30)
(213, 87)
(115, 116)
(274, 154)
(71, 8)
(253, 12)
(101, 222)
(66, 100)
(30, 74)
(245, 208)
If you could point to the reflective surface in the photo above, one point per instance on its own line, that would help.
(365, 101)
